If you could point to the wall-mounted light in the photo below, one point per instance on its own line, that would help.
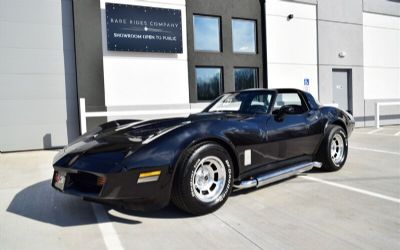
(342, 54)
(290, 17)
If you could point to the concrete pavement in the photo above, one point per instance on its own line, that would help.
(299, 213)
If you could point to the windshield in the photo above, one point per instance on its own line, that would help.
(244, 102)
(229, 102)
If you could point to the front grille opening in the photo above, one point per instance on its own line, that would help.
(87, 183)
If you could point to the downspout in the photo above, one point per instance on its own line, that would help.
(264, 43)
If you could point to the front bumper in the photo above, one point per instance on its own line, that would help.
(121, 189)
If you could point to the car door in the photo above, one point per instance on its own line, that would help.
(251, 138)
(288, 134)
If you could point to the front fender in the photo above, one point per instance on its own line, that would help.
(167, 149)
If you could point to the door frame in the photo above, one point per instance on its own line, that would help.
(349, 72)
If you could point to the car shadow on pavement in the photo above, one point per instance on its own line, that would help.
(42, 203)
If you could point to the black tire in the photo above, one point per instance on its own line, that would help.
(332, 161)
(185, 193)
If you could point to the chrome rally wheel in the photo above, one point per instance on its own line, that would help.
(209, 179)
(204, 179)
(334, 148)
(337, 149)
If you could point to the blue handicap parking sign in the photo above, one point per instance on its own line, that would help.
(306, 82)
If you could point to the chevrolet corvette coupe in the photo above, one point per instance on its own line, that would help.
(244, 139)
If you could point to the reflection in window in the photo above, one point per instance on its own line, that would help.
(208, 81)
(260, 103)
(291, 99)
(206, 33)
(230, 102)
(246, 78)
(244, 36)
(287, 99)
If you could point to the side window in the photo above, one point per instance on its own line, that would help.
(260, 103)
(290, 99)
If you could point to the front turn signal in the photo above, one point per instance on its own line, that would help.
(149, 176)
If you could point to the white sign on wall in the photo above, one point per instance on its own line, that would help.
(307, 84)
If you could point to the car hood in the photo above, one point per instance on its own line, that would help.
(109, 144)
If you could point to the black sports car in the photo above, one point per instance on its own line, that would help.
(241, 140)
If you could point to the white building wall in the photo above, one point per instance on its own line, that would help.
(291, 45)
(381, 56)
(135, 80)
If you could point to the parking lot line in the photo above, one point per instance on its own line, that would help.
(110, 236)
(357, 190)
(374, 131)
(363, 133)
(375, 150)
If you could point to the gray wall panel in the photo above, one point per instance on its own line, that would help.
(340, 10)
(38, 11)
(33, 136)
(31, 84)
(36, 61)
(358, 92)
(386, 7)
(89, 57)
(34, 111)
(38, 102)
(340, 30)
(36, 36)
(334, 37)
(89, 54)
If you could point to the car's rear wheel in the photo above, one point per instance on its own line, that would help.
(203, 180)
(333, 151)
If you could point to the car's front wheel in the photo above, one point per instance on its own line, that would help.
(333, 151)
(203, 180)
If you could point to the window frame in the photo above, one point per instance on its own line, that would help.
(219, 18)
(255, 36)
(221, 84)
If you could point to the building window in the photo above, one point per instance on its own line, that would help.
(209, 83)
(246, 78)
(244, 36)
(207, 35)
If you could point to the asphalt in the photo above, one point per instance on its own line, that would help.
(355, 208)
